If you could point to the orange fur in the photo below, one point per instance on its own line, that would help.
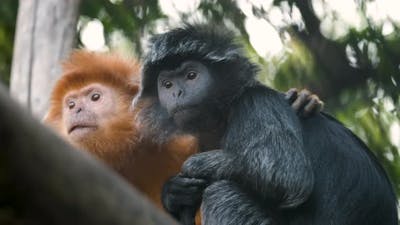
(84, 68)
(144, 164)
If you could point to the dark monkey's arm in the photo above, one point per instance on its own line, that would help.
(260, 158)
(263, 151)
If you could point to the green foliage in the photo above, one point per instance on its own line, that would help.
(296, 68)
(131, 17)
(8, 18)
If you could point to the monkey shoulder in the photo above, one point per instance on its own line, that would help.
(266, 118)
(261, 104)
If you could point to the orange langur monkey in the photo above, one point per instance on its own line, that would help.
(90, 108)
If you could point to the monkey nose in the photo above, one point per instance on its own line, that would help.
(177, 94)
(79, 109)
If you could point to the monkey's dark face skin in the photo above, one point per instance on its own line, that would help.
(184, 91)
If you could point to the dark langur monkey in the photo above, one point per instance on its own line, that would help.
(90, 108)
(270, 167)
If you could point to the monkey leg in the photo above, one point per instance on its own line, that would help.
(225, 204)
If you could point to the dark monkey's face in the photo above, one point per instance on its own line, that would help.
(185, 92)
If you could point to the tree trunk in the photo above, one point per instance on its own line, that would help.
(44, 37)
(56, 184)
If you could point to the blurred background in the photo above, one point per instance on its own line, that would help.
(345, 51)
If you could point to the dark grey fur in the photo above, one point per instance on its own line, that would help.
(274, 168)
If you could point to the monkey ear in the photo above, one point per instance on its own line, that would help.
(46, 118)
(134, 89)
(135, 101)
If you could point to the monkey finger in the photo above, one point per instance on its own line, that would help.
(310, 108)
(192, 190)
(176, 201)
(291, 95)
(187, 216)
(188, 181)
(173, 206)
(179, 201)
(318, 108)
(313, 106)
(321, 106)
(183, 185)
(301, 100)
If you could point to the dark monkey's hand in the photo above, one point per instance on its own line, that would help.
(181, 196)
(304, 102)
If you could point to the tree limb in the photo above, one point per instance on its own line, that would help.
(331, 56)
(64, 185)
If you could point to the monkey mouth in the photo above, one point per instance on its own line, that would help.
(177, 110)
(185, 115)
(183, 109)
(81, 128)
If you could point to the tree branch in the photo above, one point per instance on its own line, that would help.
(331, 56)
(60, 184)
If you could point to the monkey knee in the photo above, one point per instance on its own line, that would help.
(221, 193)
(218, 202)
(217, 189)
(225, 203)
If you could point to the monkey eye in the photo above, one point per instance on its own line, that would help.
(191, 75)
(95, 97)
(167, 84)
(71, 104)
